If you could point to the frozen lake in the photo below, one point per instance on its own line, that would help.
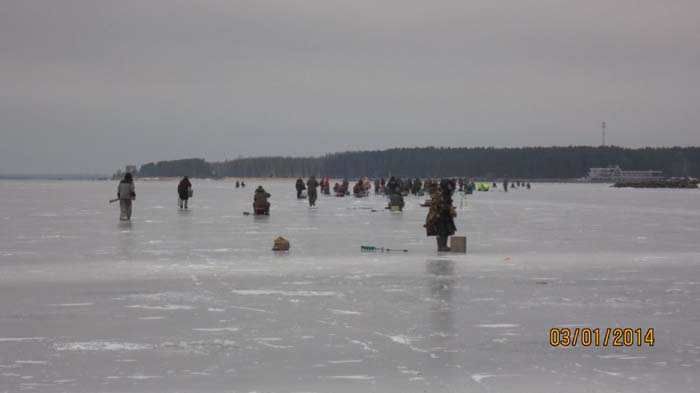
(195, 301)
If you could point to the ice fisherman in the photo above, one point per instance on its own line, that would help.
(126, 192)
(417, 187)
(344, 187)
(260, 202)
(184, 191)
(300, 187)
(440, 220)
(393, 186)
(312, 185)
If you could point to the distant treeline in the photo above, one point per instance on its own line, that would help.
(526, 163)
(193, 167)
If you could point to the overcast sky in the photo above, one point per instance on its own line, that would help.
(87, 86)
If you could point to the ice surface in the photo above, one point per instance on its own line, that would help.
(197, 301)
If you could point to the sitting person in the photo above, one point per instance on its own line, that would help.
(260, 202)
(396, 199)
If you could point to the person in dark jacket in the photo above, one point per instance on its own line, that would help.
(417, 187)
(126, 192)
(300, 187)
(183, 192)
(440, 220)
(393, 186)
(312, 185)
(260, 202)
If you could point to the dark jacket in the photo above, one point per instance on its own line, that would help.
(183, 188)
(300, 185)
(260, 198)
(312, 185)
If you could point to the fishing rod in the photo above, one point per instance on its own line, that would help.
(380, 249)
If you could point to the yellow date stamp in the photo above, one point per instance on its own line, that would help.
(608, 337)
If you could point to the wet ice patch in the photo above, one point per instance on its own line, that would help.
(102, 346)
(609, 373)
(343, 312)
(199, 346)
(259, 292)
(252, 309)
(214, 250)
(484, 299)
(480, 377)
(140, 377)
(405, 340)
(72, 304)
(351, 377)
(415, 373)
(497, 325)
(270, 342)
(167, 307)
(217, 330)
(621, 357)
(365, 345)
(20, 339)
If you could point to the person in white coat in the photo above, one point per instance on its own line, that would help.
(126, 193)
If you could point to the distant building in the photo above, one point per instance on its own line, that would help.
(615, 174)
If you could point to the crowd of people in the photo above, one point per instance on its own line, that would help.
(439, 220)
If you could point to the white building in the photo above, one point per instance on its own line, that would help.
(615, 174)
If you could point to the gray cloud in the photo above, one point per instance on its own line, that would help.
(88, 86)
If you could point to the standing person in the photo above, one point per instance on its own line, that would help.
(238, 184)
(417, 186)
(392, 186)
(126, 192)
(505, 185)
(260, 202)
(312, 184)
(440, 220)
(184, 189)
(300, 187)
